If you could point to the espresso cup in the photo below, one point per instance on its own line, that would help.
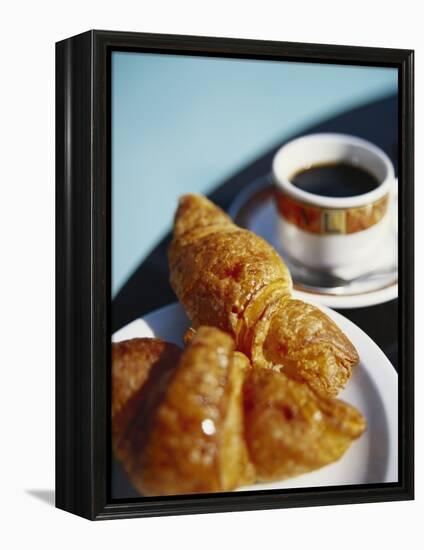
(325, 232)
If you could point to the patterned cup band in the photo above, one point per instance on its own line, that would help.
(330, 221)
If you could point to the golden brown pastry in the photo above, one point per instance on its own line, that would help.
(194, 440)
(230, 278)
(290, 429)
(188, 336)
(134, 363)
(309, 346)
(217, 269)
(204, 420)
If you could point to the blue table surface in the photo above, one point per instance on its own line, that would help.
(185, 124)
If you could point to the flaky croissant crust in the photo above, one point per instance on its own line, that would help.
(218, 270)
(230, 278)
(206, 421)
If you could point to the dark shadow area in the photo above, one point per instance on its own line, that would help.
(148, 287)
(45, 495)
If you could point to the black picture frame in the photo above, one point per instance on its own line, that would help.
(83, 273)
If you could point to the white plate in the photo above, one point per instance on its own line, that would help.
(373, 458)
(254, 209)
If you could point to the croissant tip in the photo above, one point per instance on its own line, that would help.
(192, 199)
(195, 211)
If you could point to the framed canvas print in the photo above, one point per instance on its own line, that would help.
(234, 274)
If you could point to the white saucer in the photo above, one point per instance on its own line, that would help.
(373, 458)
(254, 209)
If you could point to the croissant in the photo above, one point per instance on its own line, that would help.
(209, 422)
(192, 440)
(141, 369)
(230, 278)
(290, 429)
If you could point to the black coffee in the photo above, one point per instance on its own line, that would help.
(335, 180)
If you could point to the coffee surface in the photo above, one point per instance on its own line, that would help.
(335, 180)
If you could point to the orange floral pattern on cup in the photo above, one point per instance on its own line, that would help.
(330, 221)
